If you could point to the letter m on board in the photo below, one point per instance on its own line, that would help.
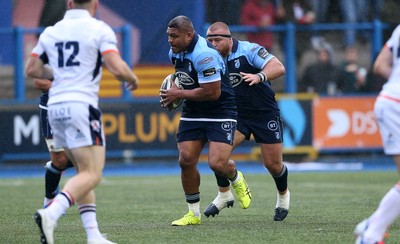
(23, 130)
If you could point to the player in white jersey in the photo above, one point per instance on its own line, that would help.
(387, 113)
(75, 48)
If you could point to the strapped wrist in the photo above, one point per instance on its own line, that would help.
(262, 76)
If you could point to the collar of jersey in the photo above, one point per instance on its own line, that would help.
(77, 13)
(192, 43)
(234, 45)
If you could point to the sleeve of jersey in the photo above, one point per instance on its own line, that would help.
(259, 56)
(394, 38)
(108, 41)
(38, 49)
(208, 68)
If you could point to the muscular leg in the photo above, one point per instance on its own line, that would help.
(272, 158)
(223, 170)
(222, 182)
(189, 154)
(218, 157)
(90, 163)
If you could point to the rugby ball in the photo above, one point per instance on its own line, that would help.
(166, 85)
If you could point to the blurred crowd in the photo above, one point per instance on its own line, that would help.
(335, 66)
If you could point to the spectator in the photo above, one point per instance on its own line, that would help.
(374, 83)
(299, 12)
(260, 13)
(353, 77)
(223, 10)
(322, 76)
(348, 13)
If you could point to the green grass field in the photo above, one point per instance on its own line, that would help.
(325, 208)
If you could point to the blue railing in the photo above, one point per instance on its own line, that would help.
(289, 30)
(18, 34)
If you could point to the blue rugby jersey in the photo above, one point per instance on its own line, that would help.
(250, 58)
(201, 63)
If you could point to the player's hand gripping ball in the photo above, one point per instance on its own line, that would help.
(166, 85)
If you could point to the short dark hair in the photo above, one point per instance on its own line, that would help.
(181, 23)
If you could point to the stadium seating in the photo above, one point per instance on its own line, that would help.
(150, 77)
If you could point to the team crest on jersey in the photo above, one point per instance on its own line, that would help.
(262, 53)
(184, 78)
(229, 136)
(235, 79)
(209, 72)
(95, 124)
(272, 125)
(237, 63)
(226, 126)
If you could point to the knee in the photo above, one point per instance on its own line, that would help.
(186, 161)
(274, 166)
(59, 160)
(221, 167)
(95, 178)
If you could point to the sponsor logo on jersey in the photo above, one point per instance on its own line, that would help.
(95, 124)
(184, 78)
(235, 79)
(272, 125)
(263, 53)
(205, 61)
(226, 126)
(209, 72)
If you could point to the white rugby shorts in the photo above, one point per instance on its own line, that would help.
(75, 124)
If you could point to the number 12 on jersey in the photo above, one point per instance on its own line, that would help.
(61, 46)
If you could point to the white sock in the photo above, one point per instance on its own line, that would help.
(89, 221)
(59, 206)
(224, 195)
(47, 201)
(222, 198)
(195, 207)
(388, 210)
(283, 201)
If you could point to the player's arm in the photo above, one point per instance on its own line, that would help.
(274, 69)
(383, 63)
(118, 67)
(271, 67)
(206, 92)
(42, 84)
(36, 69)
